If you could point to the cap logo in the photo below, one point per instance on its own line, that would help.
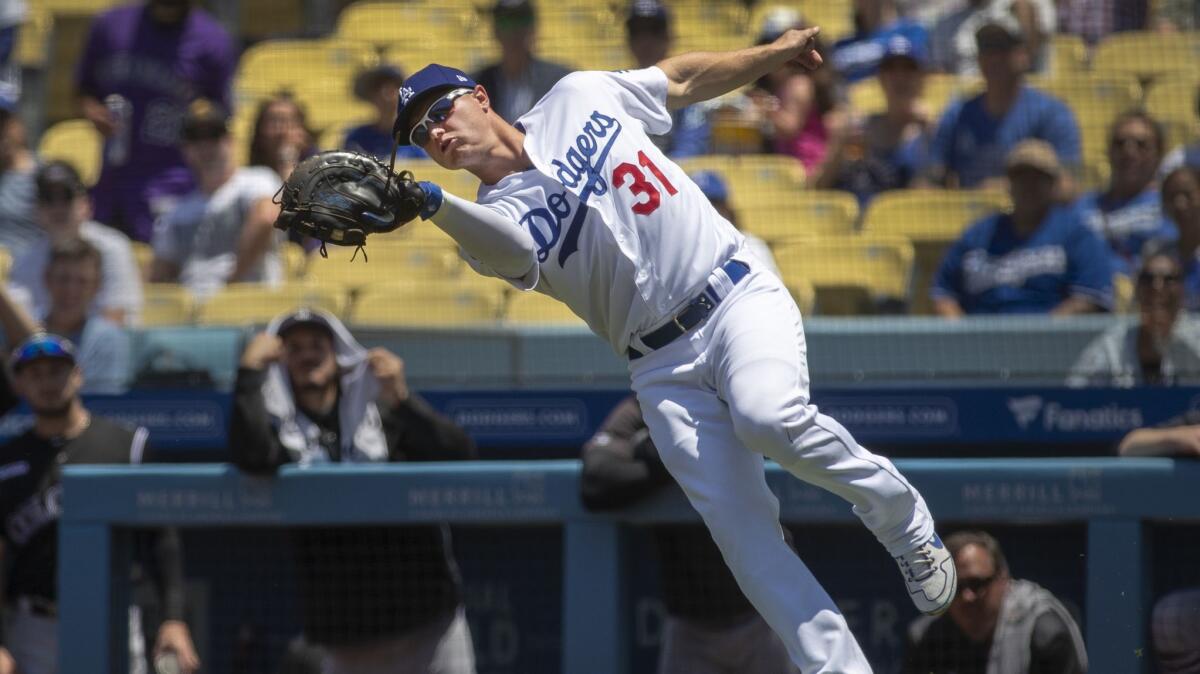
(406, 93)
(462, 79)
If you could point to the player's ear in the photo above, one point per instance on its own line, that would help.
(481, 95)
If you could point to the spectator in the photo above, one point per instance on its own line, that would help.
(975, 135)
(889, 149)
(1161, 348)
(281, 137)
(876, 24)
(1036, 636)
(17, 166)
(380, 87)
(713, 187)
(64, 212)
(390, 599)
(1176, 16)
(12, 15)
(1175, 630)
(1038, 259)
(648, 31)
(64, 432)
(1093, 20)
(954, 42)
(1181, 203)
(142, 66)
(519, 78)
(1129, 213)
(797, 107)
(72, 280)
(223, 231)
(710, 626)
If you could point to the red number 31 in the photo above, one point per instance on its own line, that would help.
(640, 186)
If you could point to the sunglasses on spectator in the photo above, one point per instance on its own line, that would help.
(1151, 279)
(35, 349)
(437, 113)
(976, 585)
(1142, 144)
(56, 198)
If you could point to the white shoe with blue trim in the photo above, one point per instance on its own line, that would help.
(930, 575)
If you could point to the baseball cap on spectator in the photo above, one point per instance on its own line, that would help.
(204, 120)
(776, 22)
(508, 14)
(648, 16)
(369, 80)
(1002, 31)
(901, 47)
(58, 181)
(429, 81)
(1035, 154)
(40, 346)
(711, 184)
(304, 317)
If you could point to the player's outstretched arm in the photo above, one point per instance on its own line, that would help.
(485, 234)
(699, 76)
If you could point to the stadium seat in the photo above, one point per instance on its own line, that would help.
(534, 308)
(1173, 102)
(866, 96)
(799, 212)
(329, 103)
(275, 65)
(835, 17)
(166, 304)
(386, 261)
(74, 141)
(1146, 54)
(852, 275)
(382, 23)
(63, 51)
(1096, 100)
(441, 305)
(5, 263)
(931, 219)
(295, 261)
(1068, 55)
(764, 179)
(252, 303)
(32, 46)
(76, 6)
(264, 19)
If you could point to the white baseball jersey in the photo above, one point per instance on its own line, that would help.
(624, 237)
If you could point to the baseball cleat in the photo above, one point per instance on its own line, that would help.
(930, 575)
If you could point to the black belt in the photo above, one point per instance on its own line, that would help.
(692, 314)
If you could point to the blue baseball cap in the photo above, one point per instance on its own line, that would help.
(711, 185)
(901, 46)
(415, 91)
(42, 345)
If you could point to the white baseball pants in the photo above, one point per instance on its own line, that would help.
(733, 390)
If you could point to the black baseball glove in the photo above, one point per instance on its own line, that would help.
(341, 197)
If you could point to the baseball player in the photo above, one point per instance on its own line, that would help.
(577, 203)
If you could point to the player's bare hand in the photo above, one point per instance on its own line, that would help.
(802, 42)
(388, 369)
(263, 349)
(7, 664)
(175, 638)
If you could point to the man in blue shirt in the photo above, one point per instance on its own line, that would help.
(1128, 213)
(876, 22)
(1038, 259)
(974, 136)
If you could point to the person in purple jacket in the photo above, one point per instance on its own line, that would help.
(142, 65)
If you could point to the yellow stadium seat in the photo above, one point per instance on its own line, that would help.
(263, 19)
(251, 303)
(1124, 300)
(5, 263)
(1173, 102)
(274, 65)
(33, 37)
(854, 274)
(385, 262)
(866, 96)
(801, 212)
(77, 142)
(440, 305)
(768, 179)
(1146, 54)
(385, 22)
(76, 6)
(835, 17)
(804, 293)
(1068, 54)
(1097, 100)
(931, 220)
(166, 304)
(534, 308)
(295, 261)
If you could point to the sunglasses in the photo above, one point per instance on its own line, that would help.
(975, 585)
(437, 113)
(1148, 279)
(40, 349)
(1142, 144)
(57, 198)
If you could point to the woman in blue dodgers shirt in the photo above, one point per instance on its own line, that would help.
(1127, 214)
(1038, 259)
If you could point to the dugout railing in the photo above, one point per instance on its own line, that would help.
(1116, 500)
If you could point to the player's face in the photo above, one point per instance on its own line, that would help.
(49, 385)
(310, 358)
(457, 140)
(1133, 153)
(980, 593)
(72, 285)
